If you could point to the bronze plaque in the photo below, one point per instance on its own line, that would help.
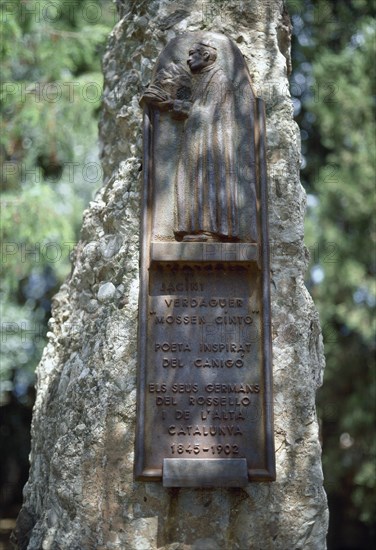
(204, 409)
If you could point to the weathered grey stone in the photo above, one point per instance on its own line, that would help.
(106, 292)
(81, 493)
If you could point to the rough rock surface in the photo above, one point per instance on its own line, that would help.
(81, 493)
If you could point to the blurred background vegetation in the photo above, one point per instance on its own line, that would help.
(333, 86)
(51, 85)
(50, 99)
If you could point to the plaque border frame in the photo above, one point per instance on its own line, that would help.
(156, 474)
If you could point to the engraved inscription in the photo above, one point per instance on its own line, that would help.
(181, 287)
(166, 346)
(195, 339)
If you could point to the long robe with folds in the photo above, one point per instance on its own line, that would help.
(207, 171)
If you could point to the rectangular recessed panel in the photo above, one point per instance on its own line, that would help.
(205, 473)
(204, 252)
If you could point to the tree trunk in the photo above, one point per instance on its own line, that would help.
(81, 493)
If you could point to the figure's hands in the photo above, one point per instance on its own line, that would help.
(157, 98)
(165, 105)
(181, 109)
(157, 102)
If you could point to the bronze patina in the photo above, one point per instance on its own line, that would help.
(205, 375)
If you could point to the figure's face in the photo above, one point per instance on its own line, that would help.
(197, 59)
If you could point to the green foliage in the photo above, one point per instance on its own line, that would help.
(51, 82)
(36, 228)
(51, 86)
(334, 83)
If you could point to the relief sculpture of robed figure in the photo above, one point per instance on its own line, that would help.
(212, 176)
(206, 179)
